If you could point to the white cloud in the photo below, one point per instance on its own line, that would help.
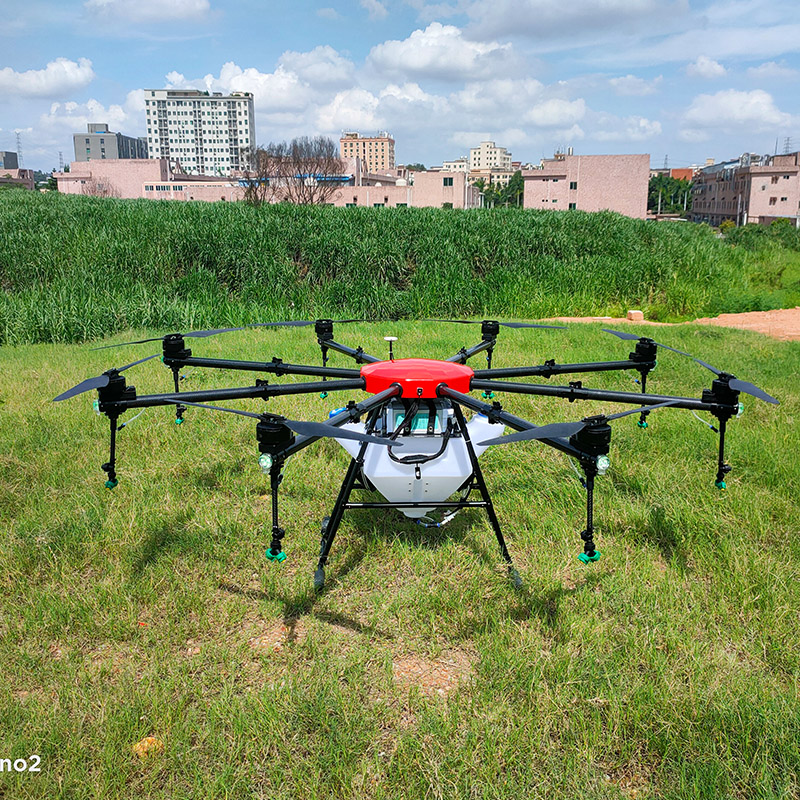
(706, 68)
(556, 113)
(328, 13)
(440, 52)
(628, 129)
(374, 8)
(64, 119)
(322, 66)
(733, 112)
(497, 97)
(353, 109)
(149, 10)
(630, 85)
(59, 77)
(545, 19)
(772, 70)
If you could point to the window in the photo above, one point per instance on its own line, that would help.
(447, 181)
(350, 205)
(784, 199)
(377, 205)
(573, 184)
(773, 200)
(774, 179)
(447, 205)
(555, 201)
(573, 205)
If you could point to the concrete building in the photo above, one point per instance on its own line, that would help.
(161, 179)
(208, 133)
(8, 160)
(751, 188)
(590, 183)
(155, 179)
(377, 152)
(17, 177)
(456, 165)
(489, 156)
(99, 143)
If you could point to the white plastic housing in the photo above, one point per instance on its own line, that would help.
(438, 479)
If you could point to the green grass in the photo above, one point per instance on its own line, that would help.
(76, 268)
(668, 669)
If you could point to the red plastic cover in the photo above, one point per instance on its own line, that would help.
(419, 377)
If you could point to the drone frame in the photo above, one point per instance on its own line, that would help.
(277, 442)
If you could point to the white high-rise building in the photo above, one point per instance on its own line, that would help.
(489, 156)
(210, 134)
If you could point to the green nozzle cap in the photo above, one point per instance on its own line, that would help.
(178, 420)
(487, 395)
(279, 557)
(111, 483)
(642, 423)
(587, 559)
(323, 395)
(720, 485)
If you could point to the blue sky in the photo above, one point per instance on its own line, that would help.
(682, 79)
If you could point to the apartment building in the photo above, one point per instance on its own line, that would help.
(8, 160)
(751, 188)
(590, 183)
(207, 133)
(99, 142)
(376, 152)
(489, 156)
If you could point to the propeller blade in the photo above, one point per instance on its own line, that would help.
(99, 381)
(532, 325)
(622, 334)
(504, 324)
(555, 430)
(316, 429)
(321, 429)
(642, 408)
(735, 383)
(751, 389)
(192, 334)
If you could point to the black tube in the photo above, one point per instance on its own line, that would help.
(546, 370)
(581, 393)
(517, 423)
(462, 355)
(276, 366)
(212, 395)
(358, 354)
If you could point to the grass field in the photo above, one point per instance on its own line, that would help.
(668, 669)
(74, 269)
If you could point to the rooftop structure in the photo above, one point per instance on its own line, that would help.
(100, 143)
(377, 152)
(208, 133)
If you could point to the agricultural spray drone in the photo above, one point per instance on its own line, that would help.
(411, 440)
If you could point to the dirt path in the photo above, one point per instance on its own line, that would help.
(783, 323)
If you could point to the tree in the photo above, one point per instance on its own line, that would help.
(511, 194)
(675, 195)
(415, 167)
(304, 171)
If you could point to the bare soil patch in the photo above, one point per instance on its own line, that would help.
(782, 323)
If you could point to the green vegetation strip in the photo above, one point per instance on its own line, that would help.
(76, 268)
(669, 669)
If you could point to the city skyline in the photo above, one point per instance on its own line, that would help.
(684, 79)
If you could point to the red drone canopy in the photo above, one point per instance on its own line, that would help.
(419, 377)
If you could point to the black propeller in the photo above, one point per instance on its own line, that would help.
(317, 429)
(504, 324)
(98, 382)
(557, 430)
(215, 331)
(735, 384)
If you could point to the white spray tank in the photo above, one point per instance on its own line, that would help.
(435, 480)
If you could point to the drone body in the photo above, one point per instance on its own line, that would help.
(411, 440)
